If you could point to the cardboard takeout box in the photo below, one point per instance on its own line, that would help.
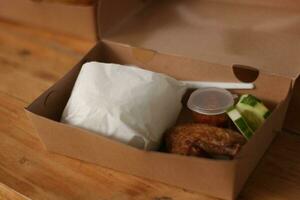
(189, 40)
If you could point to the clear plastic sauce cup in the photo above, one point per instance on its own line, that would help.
(209, 106)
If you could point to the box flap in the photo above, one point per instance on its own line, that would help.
(222, 32)
(264, 34)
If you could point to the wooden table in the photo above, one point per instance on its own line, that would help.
(30, 61)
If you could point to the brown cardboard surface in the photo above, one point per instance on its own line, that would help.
(223, 179)
(189, 40)
(172, 169)
(264, 34)
(215, 31)
(78, 20)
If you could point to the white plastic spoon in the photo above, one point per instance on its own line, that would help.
(224, 85)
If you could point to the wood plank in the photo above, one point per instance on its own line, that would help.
(32, 60)
(278, 174)
(38, 56)
(7, 193)
(75, 2)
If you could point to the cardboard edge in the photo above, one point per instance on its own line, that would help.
(30, 117)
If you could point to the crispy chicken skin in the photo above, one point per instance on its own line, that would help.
(201, 140)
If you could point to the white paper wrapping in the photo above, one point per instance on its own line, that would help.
(128, 104)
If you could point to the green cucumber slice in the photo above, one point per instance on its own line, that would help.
(253, 110)
(240, 122)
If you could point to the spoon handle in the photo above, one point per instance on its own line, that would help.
(224, 85)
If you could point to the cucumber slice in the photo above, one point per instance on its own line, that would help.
(240, 122)
(253, 110)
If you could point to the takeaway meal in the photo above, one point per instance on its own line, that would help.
(139, 108)
(212, 134)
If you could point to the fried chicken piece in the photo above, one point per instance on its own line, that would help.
(201, 139)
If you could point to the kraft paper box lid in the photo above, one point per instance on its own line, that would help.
(264, 34)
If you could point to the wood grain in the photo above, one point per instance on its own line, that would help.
(10, 194)
(74, 2)
(30, 61)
